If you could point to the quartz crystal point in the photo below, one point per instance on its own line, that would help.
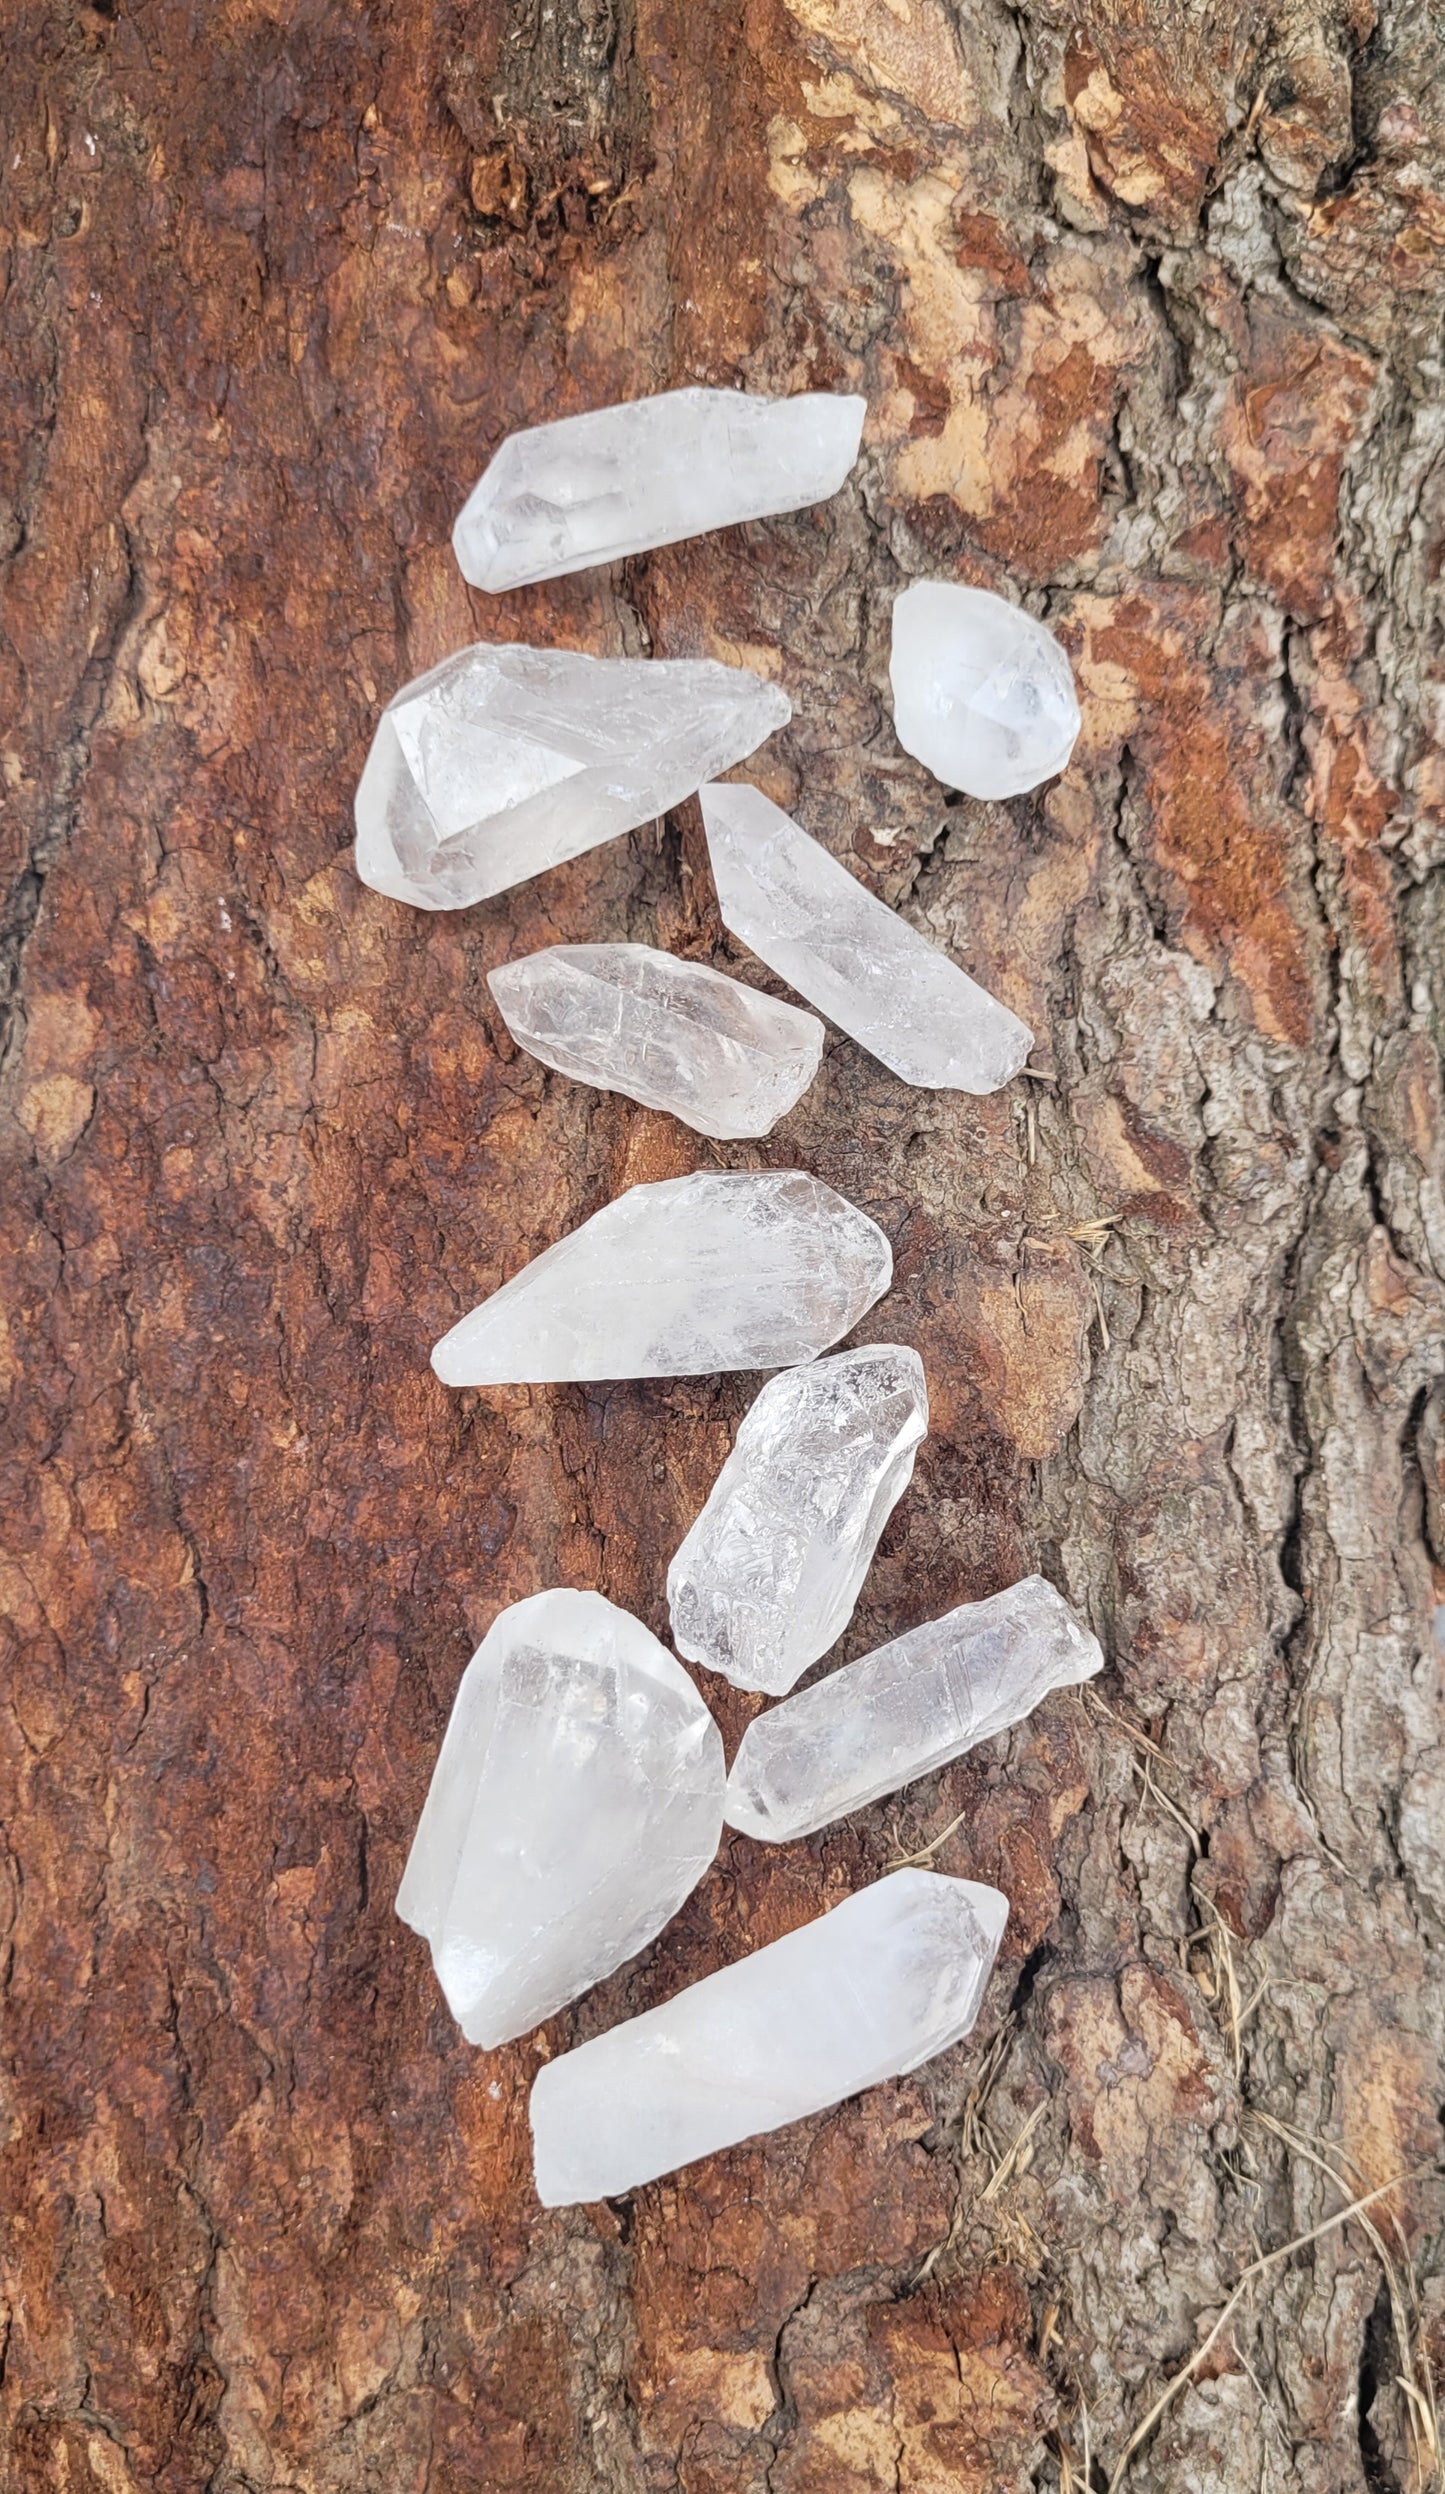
(853, 957)
(576, 1801)
(591, 489)
(505, 760)
(673, 1034)
(865, 1993)
(726, 1269)
(906, 1709)
(768, 1576)
(982, 692)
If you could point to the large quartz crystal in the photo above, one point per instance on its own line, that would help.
(576, 1801)
(504, 760)
(725, 1269)
(767, 1578)
(867, 1992)
(673, 1034)
(791, 903)
(591, 489)
(982, 693)
(905, 1710)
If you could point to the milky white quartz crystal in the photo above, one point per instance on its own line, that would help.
(577, 1800)
(865, 1993)
(791, 903)
(505, 760)
(673, 1034)
(591, 489)
(725, 1269)
(905, 1710)
(767, 1578)
(982, 692)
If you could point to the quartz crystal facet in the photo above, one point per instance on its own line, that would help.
(867, 1992)
(767, 1578)
(576, 1801)
(791, 903)
(905, 1710)
(724, 1269)
(591, 489)
(982, 692)
(505, 760)
(673, 1034)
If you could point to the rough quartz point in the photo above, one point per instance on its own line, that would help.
(982, 692)
(724, 1269)
(673, 1034)
(505, 760)
(594, 488)
(865, 1993)
(853, 957)
(577, 1800)
(767, 1578)
(905, 1710)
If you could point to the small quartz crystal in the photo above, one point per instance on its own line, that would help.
(905, 1710)
(866, 1993)
(673, 1034)
(505, 760)
(594, 488)
(728, 1268)
(982, 692)
(791, 903)
(577, 1800)
(767, 1578)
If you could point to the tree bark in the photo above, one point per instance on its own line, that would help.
(1146, 300)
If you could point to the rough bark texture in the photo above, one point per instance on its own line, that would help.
(1146, 298)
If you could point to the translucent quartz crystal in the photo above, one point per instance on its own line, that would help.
(865, 1993)
(576, 1801)
(767, 1578)
(853, 957)
(982, 692)
(725, 1269)
(506, 760)
(673, 1034)
(906, 1709)
(593, 488)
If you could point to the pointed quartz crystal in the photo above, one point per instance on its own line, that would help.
(767, 1578)
(577, 1800)
(791, 903)
(673, 1034)
(982, 692)
(591, 489)
(505, 760)
(868, 1992)
(905, 1710)
(730, 1268)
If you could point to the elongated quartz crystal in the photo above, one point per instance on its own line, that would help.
(673, 1034)
(591, 489)
(782, 895)
(767, 1578)
(729, 1268)
(982, 692)
(577, 1800)
(865, 1993)
(505, 760)
(905, 1710)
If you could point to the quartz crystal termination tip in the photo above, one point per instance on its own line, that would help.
(982, 692)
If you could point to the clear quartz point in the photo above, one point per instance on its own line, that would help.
(982, 692)
(725, 1269)
(577, 1800)
(673, 1034)
(594, 488)
(505, 760)
(866, 1993)
(905, 1710)
(791, 903)
(767, 1578)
